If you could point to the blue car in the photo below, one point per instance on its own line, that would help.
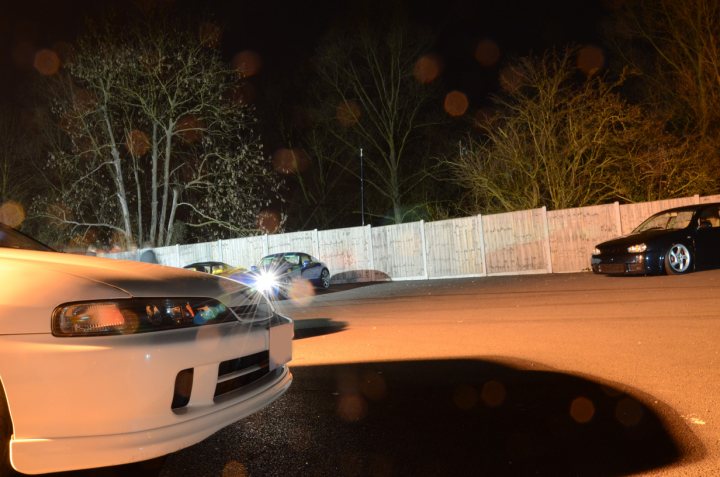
(275, 273)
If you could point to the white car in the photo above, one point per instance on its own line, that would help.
(106, 362)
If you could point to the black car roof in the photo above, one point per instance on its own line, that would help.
(688, 207)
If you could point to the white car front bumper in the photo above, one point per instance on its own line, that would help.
(92, 402)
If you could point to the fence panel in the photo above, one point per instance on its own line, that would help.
(573, 234)
(291, 242)
(347, 254)
(709, 198)
(632, 215)
(397, 250)
(454, 248)
(243, 252)
(516, 242)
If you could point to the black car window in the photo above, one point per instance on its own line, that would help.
(671, 220)
(710, 215)
(305, 258)
(11, 238)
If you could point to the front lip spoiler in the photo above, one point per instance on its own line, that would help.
(74, 453)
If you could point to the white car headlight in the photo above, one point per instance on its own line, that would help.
(639, 248)
(266, 281)
(137, 316)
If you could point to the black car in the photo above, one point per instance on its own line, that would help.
(673, 241)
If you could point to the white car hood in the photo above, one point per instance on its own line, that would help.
(34, 283)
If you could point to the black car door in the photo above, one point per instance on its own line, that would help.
(707, 238)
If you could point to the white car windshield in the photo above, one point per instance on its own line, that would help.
(666, 221)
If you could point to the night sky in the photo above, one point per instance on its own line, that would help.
(285, 33)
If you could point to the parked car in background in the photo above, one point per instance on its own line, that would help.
(106, 362)
(213, 268)
(274, 274)
(673, 241)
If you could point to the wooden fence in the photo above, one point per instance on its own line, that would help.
(528, 241)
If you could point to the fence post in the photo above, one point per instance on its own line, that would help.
(618, 219)
(316, 243)
(177, 254)
(548, 251)
(424, 248)
(481, 233)
(266, 245)
(371, 255)
(697, 198)
(220, 250)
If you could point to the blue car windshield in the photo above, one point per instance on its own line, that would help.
(666, 221)
(11, 238)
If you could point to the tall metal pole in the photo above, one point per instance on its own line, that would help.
(362, 189)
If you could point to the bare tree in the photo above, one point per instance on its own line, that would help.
(563, 140)
(369, 98)
(153, 136)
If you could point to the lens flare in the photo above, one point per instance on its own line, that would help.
(301, 292)
(582, 410)
(268, 221)
(493, 393)
(348, 113)
(210, 34)
(290, 161)
(190, 128)
(12, 213)
(628, 412)
(487, 53)
(46, 62)
(138, 143)
(235, 469)
(510, 79)
(247, 63)
(427, 68)
(456, 103)
(351, 407)
(590, 60)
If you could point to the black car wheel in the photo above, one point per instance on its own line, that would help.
(325, 279)
(678, 259)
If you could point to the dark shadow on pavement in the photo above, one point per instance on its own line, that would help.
(317, 327)
(449, 418)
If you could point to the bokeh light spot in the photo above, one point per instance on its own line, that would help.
(493, 393)
(348, 113)
(247, 63)
(12, 213)
(628, 412)
(290, 161)
(456, 103)
(373, 386)
(487, 53)
(234, 469)
(510, 79)
(268, 221)
(590, 60)
(46, 62)
(138, 143)
(582, 410)
(190, 128)
(301, 292)
(351, 407)
(210, 34)
(466, 397)
(244, 93)
(427, 68)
